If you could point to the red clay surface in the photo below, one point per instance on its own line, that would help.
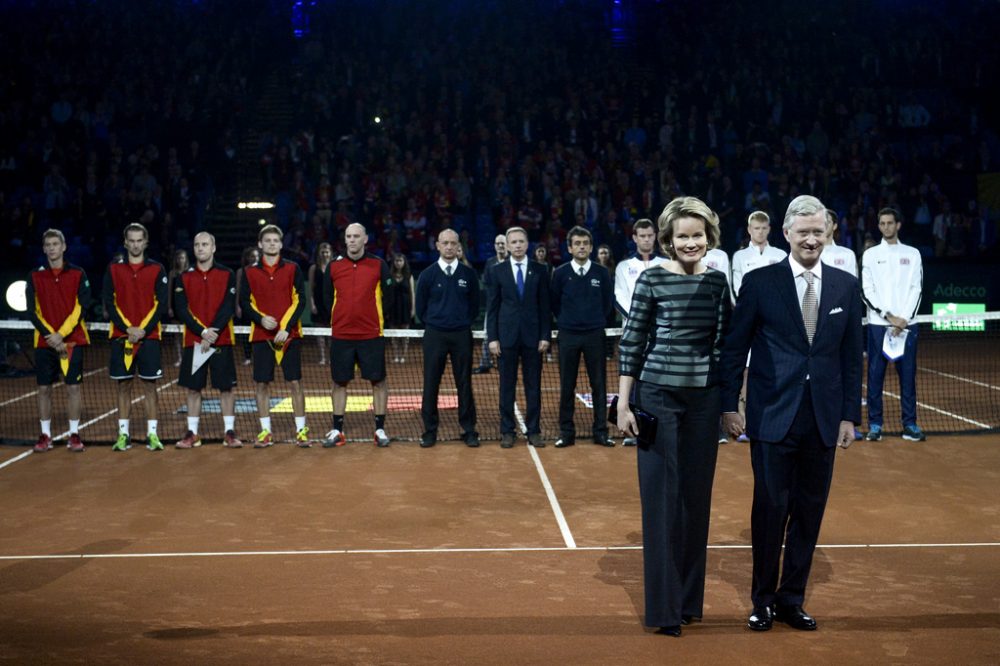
(215, 598)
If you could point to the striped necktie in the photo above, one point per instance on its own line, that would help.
(810, 306)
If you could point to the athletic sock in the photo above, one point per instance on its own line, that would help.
(380, 421)
(338, 422)
(151, 426)
(300, 423)
(46, 427)
(122, 426)
(193, 424)
(229, 423)
(265, 423)
(74, 426)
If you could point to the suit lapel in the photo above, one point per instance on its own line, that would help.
(826, 299)
(786, 289)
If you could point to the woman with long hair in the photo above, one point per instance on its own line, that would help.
(251, 255)
(179, 263)
(320, 315)
(607, 259)
(403, 303)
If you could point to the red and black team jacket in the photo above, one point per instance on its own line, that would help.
(206, 299)
(276, 291)
(135, 295)
(58, 299)
(357, 293)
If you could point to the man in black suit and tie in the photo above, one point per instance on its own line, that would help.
(802, 324)
(518, 328)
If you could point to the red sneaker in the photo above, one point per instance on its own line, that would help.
(43, 444)
(74, 443)
(189, 441)
(231, 440)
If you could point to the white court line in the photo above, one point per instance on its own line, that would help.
(960, 379)
(91, 422)
(549, 492)
(447, 551)
(35, 392)
(924, 405)
(13, 460)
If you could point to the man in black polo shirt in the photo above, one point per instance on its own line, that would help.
(447, 302)
(581, 301)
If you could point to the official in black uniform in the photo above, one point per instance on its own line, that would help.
(581, 298)
(448, 302)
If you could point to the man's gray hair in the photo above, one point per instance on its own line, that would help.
(803, 205)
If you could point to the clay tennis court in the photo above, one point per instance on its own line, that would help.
(405, 555)
(453, 555)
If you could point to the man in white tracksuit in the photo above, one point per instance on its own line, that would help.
(758, 253)
(837, 256)
(892, 279)
(628, 271)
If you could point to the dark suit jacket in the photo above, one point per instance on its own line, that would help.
(767, 321)
(509, 318)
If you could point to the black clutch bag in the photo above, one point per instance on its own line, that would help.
(646, 422)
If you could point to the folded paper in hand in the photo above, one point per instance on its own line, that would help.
(200, 356)
(893, 346)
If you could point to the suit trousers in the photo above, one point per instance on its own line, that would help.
(531, 361)
(589, 344)
(675, 487)
(438, 346)
(791, 485)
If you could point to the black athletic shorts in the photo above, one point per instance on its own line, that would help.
(146, 360)
(220, 363)
(264, 361)
(369, 355)
(48, 370)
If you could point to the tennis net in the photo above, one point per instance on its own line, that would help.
(958, 388)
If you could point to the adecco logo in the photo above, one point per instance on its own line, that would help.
(952, 290)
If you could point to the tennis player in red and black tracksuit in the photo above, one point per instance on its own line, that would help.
(355, 289)
(273, 301)
(135, 296)
(205, 302)
(58, 293)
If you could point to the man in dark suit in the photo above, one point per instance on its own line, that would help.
(802, 324)
(518, 328)
(500, 244)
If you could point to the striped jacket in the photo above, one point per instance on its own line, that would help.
(675, 327)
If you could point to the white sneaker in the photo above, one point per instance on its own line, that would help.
(381, 439)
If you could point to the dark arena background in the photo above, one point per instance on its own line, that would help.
(411, 117)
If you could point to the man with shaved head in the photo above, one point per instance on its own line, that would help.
(356, 293)
(447, 303)
(205, 302)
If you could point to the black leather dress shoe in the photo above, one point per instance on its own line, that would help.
(761, 619)
(795, 617)
(563, 442)
(604, 441)
(481, 370)
(688, 619)
(471, 439)
(535, 439)
(674, 631)
(428, 440)
(629, 441)
(507, 440)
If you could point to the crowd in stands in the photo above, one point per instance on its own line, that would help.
(412, 121)
(480, 116)
(116, 112)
